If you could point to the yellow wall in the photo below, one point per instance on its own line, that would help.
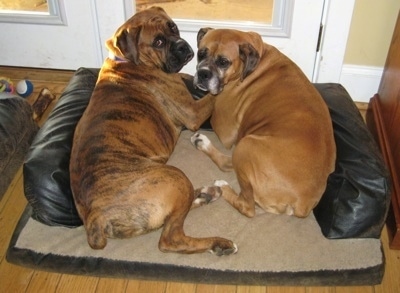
(371, 32)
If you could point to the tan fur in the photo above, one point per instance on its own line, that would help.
(274, 118)
(120, 183)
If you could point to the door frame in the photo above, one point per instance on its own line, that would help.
(336, 20)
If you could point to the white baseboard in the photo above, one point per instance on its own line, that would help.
(361, 82)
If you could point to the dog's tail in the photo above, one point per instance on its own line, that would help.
(95, 232)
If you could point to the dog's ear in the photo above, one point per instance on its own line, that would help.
(202, 32)
(127, 42)
(250, 57)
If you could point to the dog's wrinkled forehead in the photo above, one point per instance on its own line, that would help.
(157, 26)
(144, 16)
(226, 41)
(154, 18)
(217, 44)
(229, 51)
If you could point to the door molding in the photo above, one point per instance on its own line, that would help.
(336, 21)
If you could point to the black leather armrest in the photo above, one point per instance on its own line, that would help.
(46, 175)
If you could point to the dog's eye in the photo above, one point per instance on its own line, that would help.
(173, 27)
(201, 54)
(223, 62)
(159, 42)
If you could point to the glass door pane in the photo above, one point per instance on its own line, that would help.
(32, 11)
(24, 5)
(255, 11)
(266, 17)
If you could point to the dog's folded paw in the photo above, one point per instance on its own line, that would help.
(224, 247)
(200, 141)
(206, 195)
(220, 183)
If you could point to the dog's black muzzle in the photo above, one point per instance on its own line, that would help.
(180, 54)
(203, 78)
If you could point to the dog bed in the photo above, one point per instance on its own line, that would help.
(273, 249)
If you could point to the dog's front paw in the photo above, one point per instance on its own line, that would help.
(200, 141)
(224, 247)
(220, 183)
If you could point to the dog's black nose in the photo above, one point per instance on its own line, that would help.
(204, 75)
(183, 50)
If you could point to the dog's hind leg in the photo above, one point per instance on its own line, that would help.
(202, 143)
(173, 239)
(95, 231)
(177, 201)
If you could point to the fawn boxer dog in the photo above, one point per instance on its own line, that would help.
(120, 182)
(277, 121)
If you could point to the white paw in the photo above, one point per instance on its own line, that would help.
(207, 195)
(235, 248)
(200, 141)
(199, 201)
(219, 251)
(220, 183)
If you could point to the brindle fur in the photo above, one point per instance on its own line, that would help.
(120, 182)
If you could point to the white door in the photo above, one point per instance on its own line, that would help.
(78, 38)
(69, 36)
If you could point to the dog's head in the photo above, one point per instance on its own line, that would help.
(225, 55)
(150, 37)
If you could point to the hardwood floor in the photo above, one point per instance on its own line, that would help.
(20, 279)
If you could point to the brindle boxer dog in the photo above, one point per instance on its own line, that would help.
(120, 182)
(278, 122)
